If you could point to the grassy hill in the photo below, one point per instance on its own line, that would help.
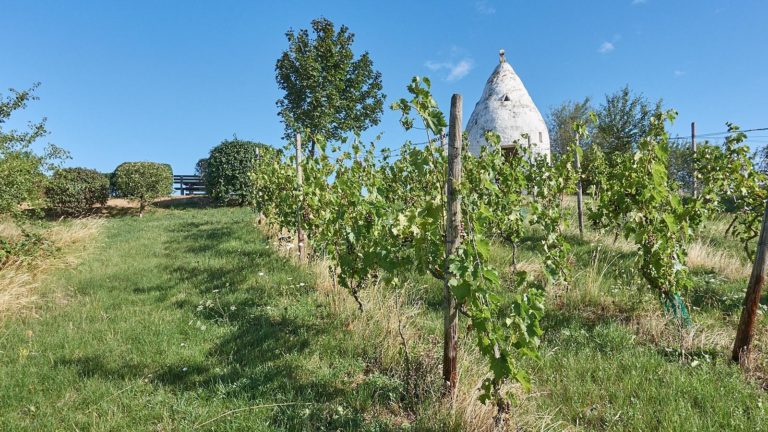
(195, 319)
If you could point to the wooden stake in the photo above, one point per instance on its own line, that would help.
(452, 241)
(694, 185)
(752, 297)
(300, 239)
(579, 197)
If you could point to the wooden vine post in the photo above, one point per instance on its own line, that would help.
(694, 182)
(579, 196)
(752, 298)
(300, 239)
(452, 242)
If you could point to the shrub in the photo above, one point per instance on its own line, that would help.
(228, 171)
(143, 181)
(74, 191)
(21, 180)
(201, 167)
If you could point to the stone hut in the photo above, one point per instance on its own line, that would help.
(506, 108)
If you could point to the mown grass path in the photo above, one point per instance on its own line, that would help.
(173, 320)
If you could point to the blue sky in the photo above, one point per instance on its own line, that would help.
(166, 81)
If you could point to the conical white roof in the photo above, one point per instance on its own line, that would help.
(507, 108)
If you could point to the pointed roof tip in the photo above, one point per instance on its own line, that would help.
(501, 56)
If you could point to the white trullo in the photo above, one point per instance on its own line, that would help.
(507, 108)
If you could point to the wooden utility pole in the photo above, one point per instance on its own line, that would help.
(694, 186)
(452, 241)
(752, 297)
(300, 209)
(579, 197)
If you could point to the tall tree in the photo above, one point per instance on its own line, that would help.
(328, 93)
(21, 168)
(560, 121)
(623, 119)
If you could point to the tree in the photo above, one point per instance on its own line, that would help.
(143, 181)
(22, 170)
(623, 119)
(328, 92)
(560, 121)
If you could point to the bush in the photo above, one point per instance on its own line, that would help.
(201, 168)
(21, 180)
(74, 191)
(143, 181)
(228, 171)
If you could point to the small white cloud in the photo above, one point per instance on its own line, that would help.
(456, 70)
(485, 8)
(434, 66)
(606, 47)
(679, 73)
(460, 70)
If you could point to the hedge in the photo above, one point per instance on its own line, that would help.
(228, 171)
(143, 181)
(74, 191)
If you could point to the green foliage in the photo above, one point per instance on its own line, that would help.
(201, 168)
(22, 169)
(328, 92)
(728, 173)
(681, 163)
(623, 120)
(377, 220)
(560, 121)
(143, 181)
(228, 170)
(31, 244)
(22, 180)
(641, 201)
(74, 191)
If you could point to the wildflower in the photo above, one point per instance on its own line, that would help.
(232, 307)
(261, 273)
(184, 369)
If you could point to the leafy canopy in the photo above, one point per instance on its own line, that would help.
(22, 170)
(623, 120)
(328, 93)
(227, 171)
(74, 191)
(143, 181)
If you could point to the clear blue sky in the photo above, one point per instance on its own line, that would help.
(166, 81)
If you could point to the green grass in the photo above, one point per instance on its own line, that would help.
(169, 323)
(183, 315)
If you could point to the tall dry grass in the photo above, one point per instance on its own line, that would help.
(20, 279)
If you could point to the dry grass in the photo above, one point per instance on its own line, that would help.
(704, 255)
(19, 279)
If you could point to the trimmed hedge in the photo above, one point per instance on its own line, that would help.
(228, 171)
(143, 181)
(74, 191)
